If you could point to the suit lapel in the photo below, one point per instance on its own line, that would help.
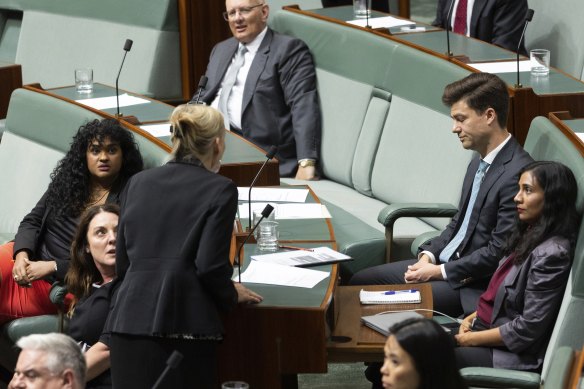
(256, 69)
(507, 283)
(224, 59)
(477, 9)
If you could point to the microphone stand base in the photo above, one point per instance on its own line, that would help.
(129, 119)
(518, 86)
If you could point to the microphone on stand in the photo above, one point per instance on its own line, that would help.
(171, 363)
(265, 213)
(269, 155)
(528, 17)
(448, 17)
(202, 85)
(127, 47)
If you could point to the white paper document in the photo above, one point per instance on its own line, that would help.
(110, 102)
(269, 273)
(273, 194)
(288, 211)
(580, 135)
(502, 67)
(383, 22)
(157, 130)
(302, 258)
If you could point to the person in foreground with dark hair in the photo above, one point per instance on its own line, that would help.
(48, 361)
(419, 354)
(513, 322)
(172, 255)
(102, 157)
(91, 281)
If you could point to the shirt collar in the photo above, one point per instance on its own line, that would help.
(254, 45)
(489, 158)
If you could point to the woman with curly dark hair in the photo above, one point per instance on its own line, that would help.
(102, 157)
(91, 281)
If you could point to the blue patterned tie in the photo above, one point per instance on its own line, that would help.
(457, 240)
(229, 81)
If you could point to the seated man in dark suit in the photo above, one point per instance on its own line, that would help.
(459, 263)
(264, 83)
(494, 21)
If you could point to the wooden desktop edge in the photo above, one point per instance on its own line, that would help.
(557, 118)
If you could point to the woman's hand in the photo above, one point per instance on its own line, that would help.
(19, 270)
(466, 339)
(466, 324)
(245, 295)
(37, 270)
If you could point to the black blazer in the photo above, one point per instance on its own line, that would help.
(32, 229)
(280, 100)
(491, 220)
(499, 22)
(172, 252)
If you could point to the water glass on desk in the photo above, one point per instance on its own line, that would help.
(362, 8)
(267, 236)
(84, 80)
(234, 385)
(540, 62)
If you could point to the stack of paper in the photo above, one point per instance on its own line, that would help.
(272, 274)
(304, 258)
(409, 296)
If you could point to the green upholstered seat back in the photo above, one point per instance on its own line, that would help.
(546, 142)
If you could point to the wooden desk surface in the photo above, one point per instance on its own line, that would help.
(352, 341)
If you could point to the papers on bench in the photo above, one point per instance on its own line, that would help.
(157, 130)
(502, 66)
(110, 102)
(301, 258)
(409, 296)
(382, 22)
(288, 211)
(383, 321)
(272, 274)
(273, 194)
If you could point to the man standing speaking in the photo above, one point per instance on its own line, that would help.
(264, 83)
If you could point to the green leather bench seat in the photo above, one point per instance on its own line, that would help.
(92, 34)
(386, 136)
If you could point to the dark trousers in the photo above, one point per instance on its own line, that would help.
(446, 299)
(138, 362)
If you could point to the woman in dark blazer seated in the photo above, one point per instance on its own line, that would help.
(91, 281)
(515, 316)
(102, 157)
(173, 258)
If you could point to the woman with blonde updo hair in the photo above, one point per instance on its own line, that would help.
(173, 258)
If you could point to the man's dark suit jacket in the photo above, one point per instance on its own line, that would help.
(527, 304)
(499, 22)
(172, 252)
(492, 217)
(280, 100)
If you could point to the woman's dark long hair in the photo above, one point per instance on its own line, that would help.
(432, 351)
(559, 216)
(69, 189)
(82, 272)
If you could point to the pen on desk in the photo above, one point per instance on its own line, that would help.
(294, 248)
(390, 292)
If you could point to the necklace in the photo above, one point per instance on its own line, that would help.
(98, 199)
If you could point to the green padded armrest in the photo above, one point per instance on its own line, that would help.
(57, 293)
(31, 325)
(485, 377)
(392, 212)
(421, 239)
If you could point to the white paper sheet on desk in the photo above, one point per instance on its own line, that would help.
(288, 211)
(269, 273)
(580, 135)
(502, 67)
(110, 102)
(301, 257)
(273, 194)
(382, 22)
(157, 130)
